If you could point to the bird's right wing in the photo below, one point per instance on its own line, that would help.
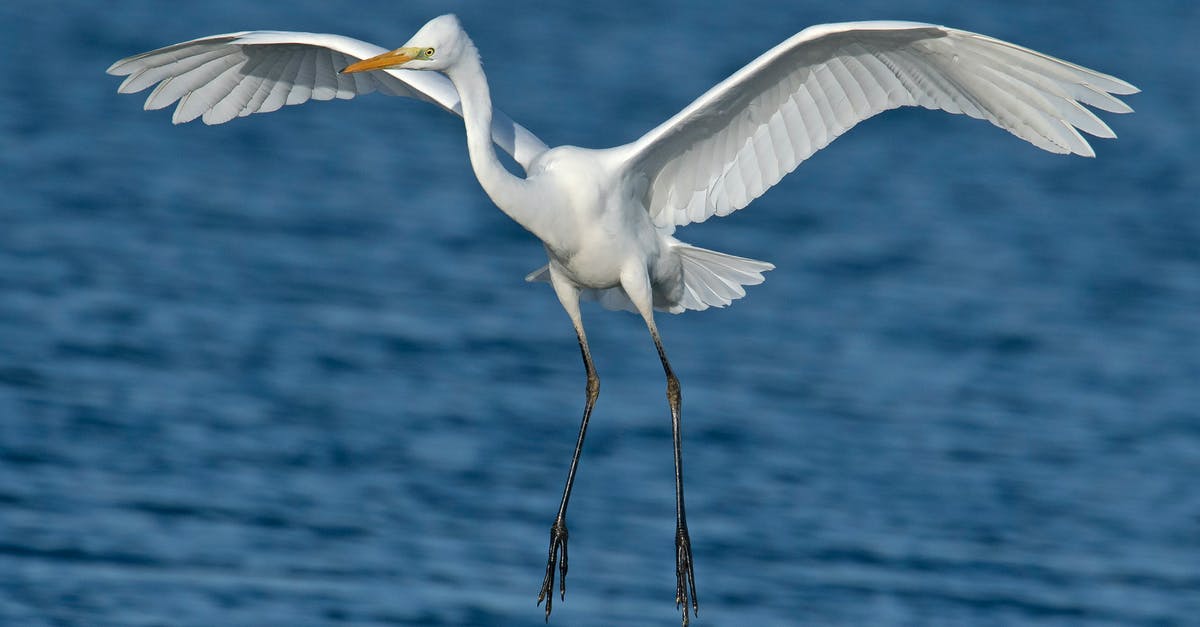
(742, 136)
(221, 77)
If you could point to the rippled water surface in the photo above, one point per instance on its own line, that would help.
(285, 371)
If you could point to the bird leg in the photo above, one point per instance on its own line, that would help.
(558, 531)
(685, 577)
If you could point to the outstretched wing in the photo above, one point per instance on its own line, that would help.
(221, 77)
(742, 136)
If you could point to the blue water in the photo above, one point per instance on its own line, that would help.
(285, 371)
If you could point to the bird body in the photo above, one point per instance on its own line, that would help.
(607, 217)
(599, 228)
(585, 205)
(593, 224)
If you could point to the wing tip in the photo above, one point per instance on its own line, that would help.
(128, 65)
(1122, 87)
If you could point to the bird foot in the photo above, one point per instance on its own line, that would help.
(558, 543)
(685, 578)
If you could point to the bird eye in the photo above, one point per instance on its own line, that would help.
(428, 52)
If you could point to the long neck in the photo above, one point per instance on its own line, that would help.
(509, 192)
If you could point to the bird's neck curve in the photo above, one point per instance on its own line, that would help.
(506, 190)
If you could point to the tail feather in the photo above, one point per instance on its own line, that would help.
(713, 279)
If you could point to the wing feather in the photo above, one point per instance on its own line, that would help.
(281, 84)
(221, 77)
(182, 82)
(326, 76)
(265, 79)
(171, 65)
(234, 102)
(742, 136)
(201, 100)
(302, 83)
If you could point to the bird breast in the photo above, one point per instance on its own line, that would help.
(594, 232)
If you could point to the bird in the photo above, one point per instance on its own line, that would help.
(607, 217)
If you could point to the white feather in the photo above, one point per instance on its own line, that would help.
(825, 79)
(221, 77)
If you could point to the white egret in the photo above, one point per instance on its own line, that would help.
(607, 217)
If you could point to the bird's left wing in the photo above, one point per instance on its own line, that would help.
(743, 135)
(221, 77)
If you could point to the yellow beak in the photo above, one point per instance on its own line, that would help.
(399, 56)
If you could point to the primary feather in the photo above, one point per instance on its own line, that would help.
(221, 77)
(743, 135)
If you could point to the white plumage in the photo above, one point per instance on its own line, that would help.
(222, 77)
(743, 135)
(607, 217)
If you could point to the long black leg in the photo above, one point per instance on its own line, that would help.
(685, 577)
(558, 531)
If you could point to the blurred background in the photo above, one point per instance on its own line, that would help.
(285, 371)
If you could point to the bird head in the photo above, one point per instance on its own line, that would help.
(439, 43)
